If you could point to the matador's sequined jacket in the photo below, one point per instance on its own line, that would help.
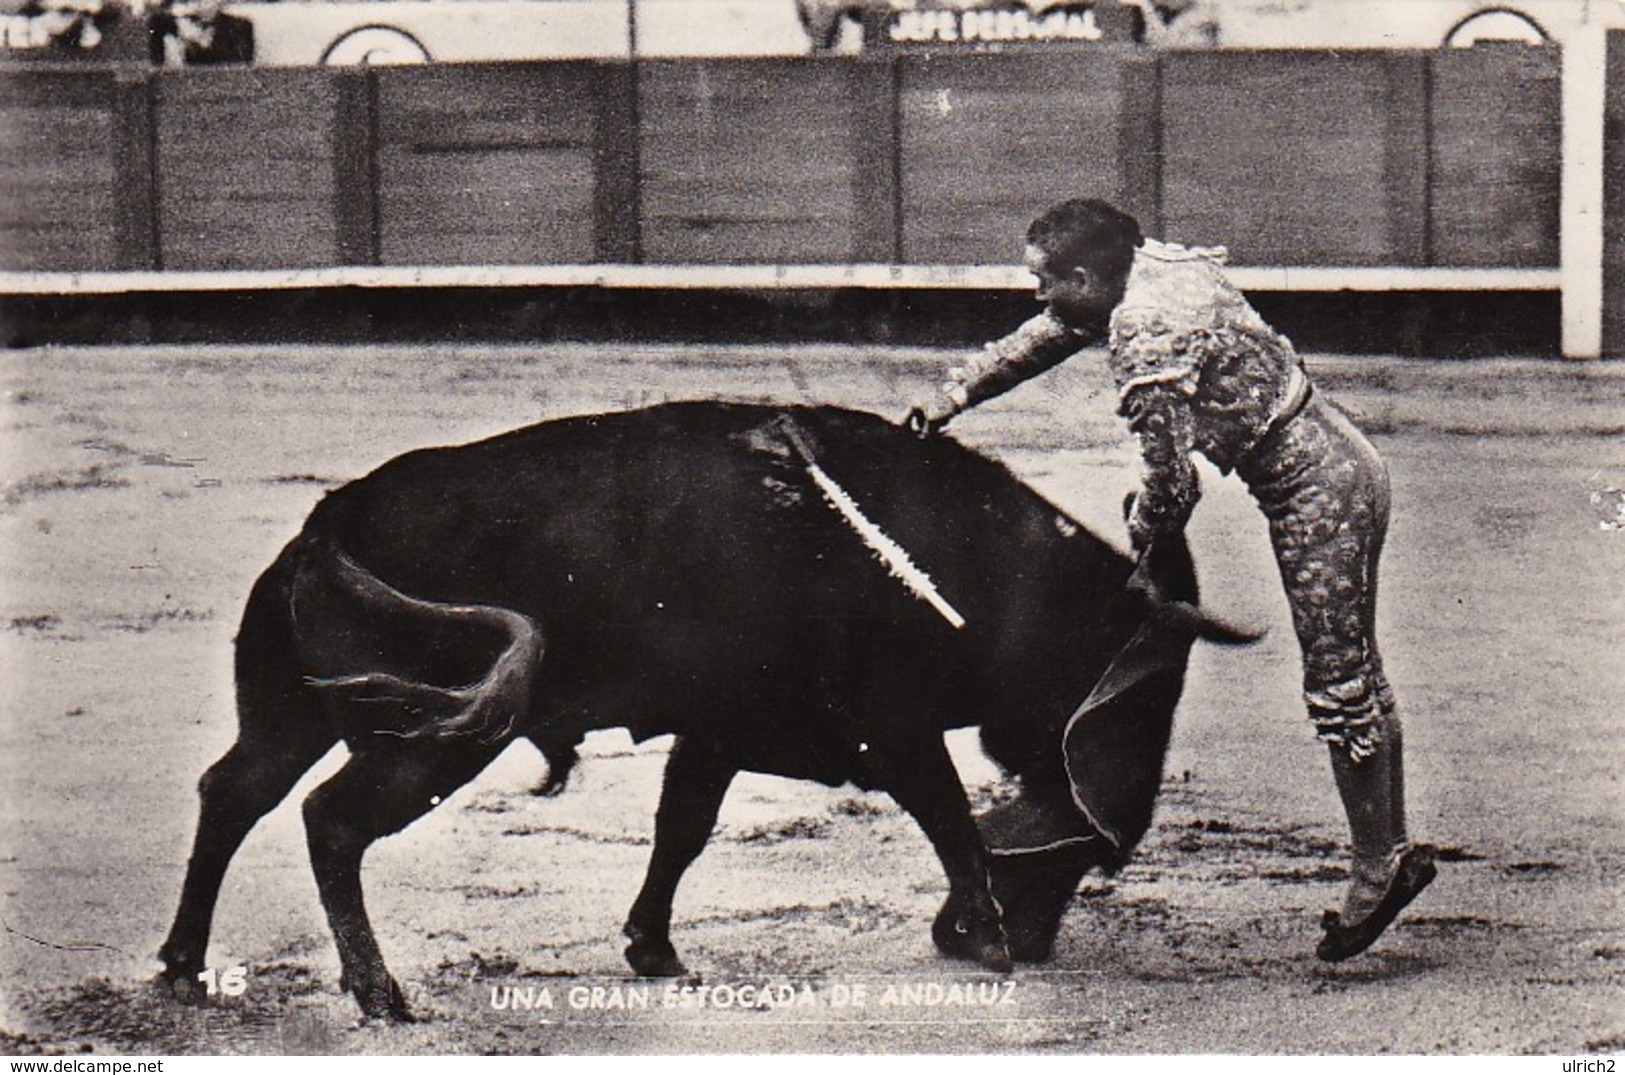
(1196, 369)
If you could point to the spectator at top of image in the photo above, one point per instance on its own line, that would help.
(197, 32)
(1180, 23)
(169, 33)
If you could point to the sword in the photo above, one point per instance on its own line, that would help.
(893, 555)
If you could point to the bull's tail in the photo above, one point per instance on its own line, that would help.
(400, 705)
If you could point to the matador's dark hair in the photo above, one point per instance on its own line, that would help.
(1087, 232)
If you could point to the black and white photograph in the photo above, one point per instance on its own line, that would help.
(833, 528)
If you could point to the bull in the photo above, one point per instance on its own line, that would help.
(690, 569)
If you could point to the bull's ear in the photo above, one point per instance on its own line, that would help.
(1128, 505)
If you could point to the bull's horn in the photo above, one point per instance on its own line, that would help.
(1186, 617)
(1181, 615)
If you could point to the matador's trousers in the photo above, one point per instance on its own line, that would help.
(1325, 492)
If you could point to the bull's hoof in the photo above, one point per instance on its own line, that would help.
(180, 977)
(996, 960)
(962, 938)
(1032, 914)
(646, 963)
(1038, 947)
(383, 1003)
(652, 958)
(181, 984)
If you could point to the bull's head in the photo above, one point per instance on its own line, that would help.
(1055, 830)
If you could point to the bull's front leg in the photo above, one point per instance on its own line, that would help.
(922, 779)
(696, 781)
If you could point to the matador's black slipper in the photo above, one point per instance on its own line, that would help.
(1414, 873)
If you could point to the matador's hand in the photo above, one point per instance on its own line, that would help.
(930, 414)
(1140, 533)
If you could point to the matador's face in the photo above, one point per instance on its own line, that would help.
(1081, 298)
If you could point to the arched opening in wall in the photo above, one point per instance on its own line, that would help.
(1496, 24)
(376, 46)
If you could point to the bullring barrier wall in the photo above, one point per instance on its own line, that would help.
(1613, 237)
(1442, 168)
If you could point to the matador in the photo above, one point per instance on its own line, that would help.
(1198, 370)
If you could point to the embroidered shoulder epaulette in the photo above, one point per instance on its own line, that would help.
(1155, 248)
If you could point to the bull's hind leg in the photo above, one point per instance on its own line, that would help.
(383, 788)
(695, 784)
(924, 782)
(281, 733)
(235, 792)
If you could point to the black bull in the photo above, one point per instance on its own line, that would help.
(677, 571)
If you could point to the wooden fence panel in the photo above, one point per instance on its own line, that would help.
(487, 163)
(1446, 158)
(58, 169)
(1496, 175)
(1613, 217)
(1294, 158)
(759, 161)
(988, 141)
(246, 159)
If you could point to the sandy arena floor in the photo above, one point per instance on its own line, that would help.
(142, 489)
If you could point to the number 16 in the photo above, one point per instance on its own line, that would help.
(231, 982)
